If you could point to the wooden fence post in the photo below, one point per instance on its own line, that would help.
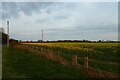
(86, 62)
(50, 55)
(30, 48)
(74, 60)
(36, 47)
(41, 49)
(58, 57)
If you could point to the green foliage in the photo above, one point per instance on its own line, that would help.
(18, 63)
(106, 52)
(97, 51)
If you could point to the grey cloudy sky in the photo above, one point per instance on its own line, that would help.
(61, 20)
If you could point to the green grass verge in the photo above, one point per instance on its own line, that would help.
(102, 66)
(18, 63)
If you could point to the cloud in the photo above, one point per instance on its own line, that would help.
(41, 21)
(60, 0)
(61, 20)
(61, 17)
(9, 10)
(12, 9)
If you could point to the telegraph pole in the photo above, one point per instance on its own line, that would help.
(8, 33)
(42, 35)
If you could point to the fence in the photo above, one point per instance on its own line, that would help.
(69, 60)
(57, 57)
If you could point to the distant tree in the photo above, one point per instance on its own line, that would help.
(31, 41)
(39, 40)
(99, 41)
(84, 40)
(13, 42)
(20, 41)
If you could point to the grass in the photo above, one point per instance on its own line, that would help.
(105, 52)
(18, 63)
(106, 67)
(102, 66)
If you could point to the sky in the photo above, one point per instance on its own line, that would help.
(61, 20)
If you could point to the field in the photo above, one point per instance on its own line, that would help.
(97, 51)
(103, 58)
(101, 55)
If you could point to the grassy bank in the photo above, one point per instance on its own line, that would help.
(18, 63)
(100, 54)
